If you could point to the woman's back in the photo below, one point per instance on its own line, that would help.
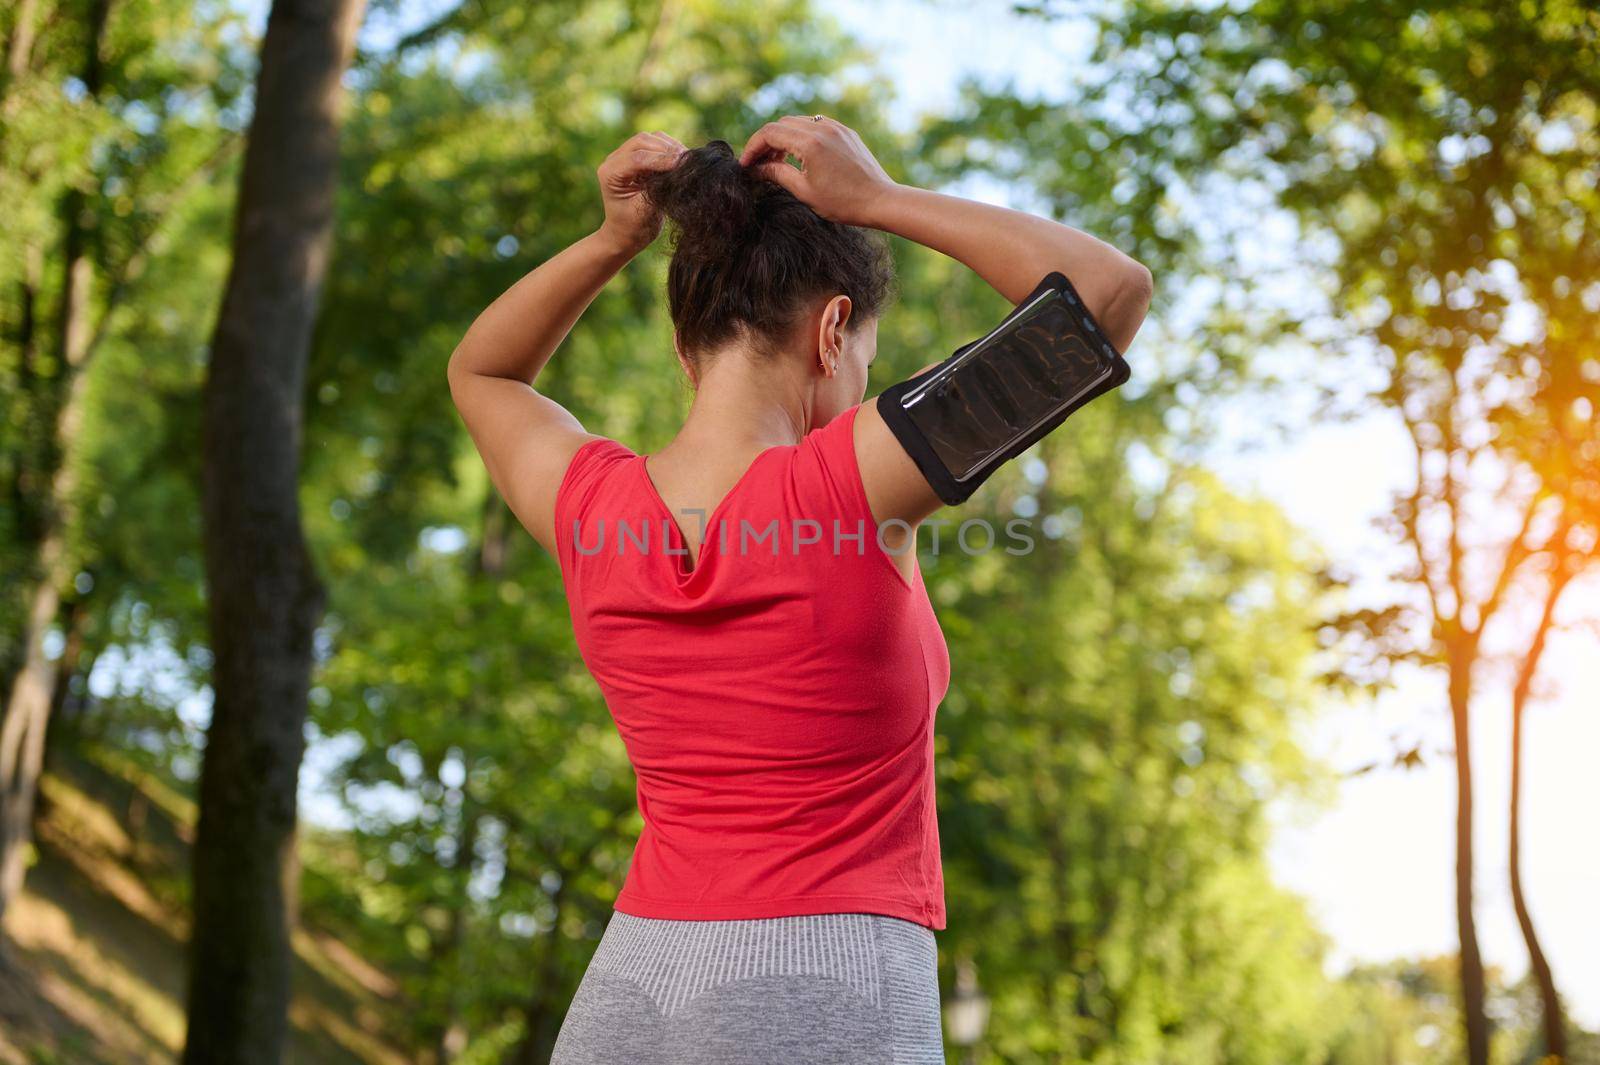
(777, 699)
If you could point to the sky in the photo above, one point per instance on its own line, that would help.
(1376, 866)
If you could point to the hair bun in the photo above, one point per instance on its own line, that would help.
(710, 200)
(747, 253)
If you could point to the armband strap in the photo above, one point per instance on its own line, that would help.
(996, 396)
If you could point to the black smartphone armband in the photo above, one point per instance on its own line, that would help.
(998, 395)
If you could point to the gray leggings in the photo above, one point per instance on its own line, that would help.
(827, 989)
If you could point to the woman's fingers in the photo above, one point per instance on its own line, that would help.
(837, 177)
(644, 151)
(780, 173)
(661, 141)
(653, 141)
(775, 137)
(654, 159)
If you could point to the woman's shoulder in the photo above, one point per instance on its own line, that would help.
(827, 454)
(598, 449)
(834, 437)
(894, 486)
(591, 460)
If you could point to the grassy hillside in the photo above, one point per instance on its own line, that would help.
(94, 967)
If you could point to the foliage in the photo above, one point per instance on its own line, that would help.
(1125, 694)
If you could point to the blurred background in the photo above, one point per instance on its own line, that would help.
(1279, 747)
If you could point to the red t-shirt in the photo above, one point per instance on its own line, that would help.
(777, 701)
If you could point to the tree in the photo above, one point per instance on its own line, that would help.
(1555, 1034)
(27, 707)
(90, 194)
(1447, 158)
(264, 595)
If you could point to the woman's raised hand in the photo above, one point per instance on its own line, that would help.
(838, 177)
(630, 219)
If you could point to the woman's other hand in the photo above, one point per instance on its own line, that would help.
(630, 220)
(839, 178)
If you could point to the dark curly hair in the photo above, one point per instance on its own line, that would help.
(747, 255)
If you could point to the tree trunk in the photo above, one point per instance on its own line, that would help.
(1473, 1019)
(74, 618)
(448, 952)
(22, 732)
(25, 526)
(32, 691)
(541, 1023)
(19, 47)
(75, 664)
(1555, 1032)
(264, 597)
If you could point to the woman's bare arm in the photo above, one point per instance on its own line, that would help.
(1011, 250)
(527, 439)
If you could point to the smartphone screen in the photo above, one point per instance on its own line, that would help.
(1042, 359)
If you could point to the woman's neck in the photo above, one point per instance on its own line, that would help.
(745, 403)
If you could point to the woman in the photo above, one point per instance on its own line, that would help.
(748, 597)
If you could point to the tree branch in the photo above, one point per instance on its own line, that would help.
(1517, 552)
(1410, 520)
(1564, 567)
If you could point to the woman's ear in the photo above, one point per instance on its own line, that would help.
(830, 333)
(684, 361)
